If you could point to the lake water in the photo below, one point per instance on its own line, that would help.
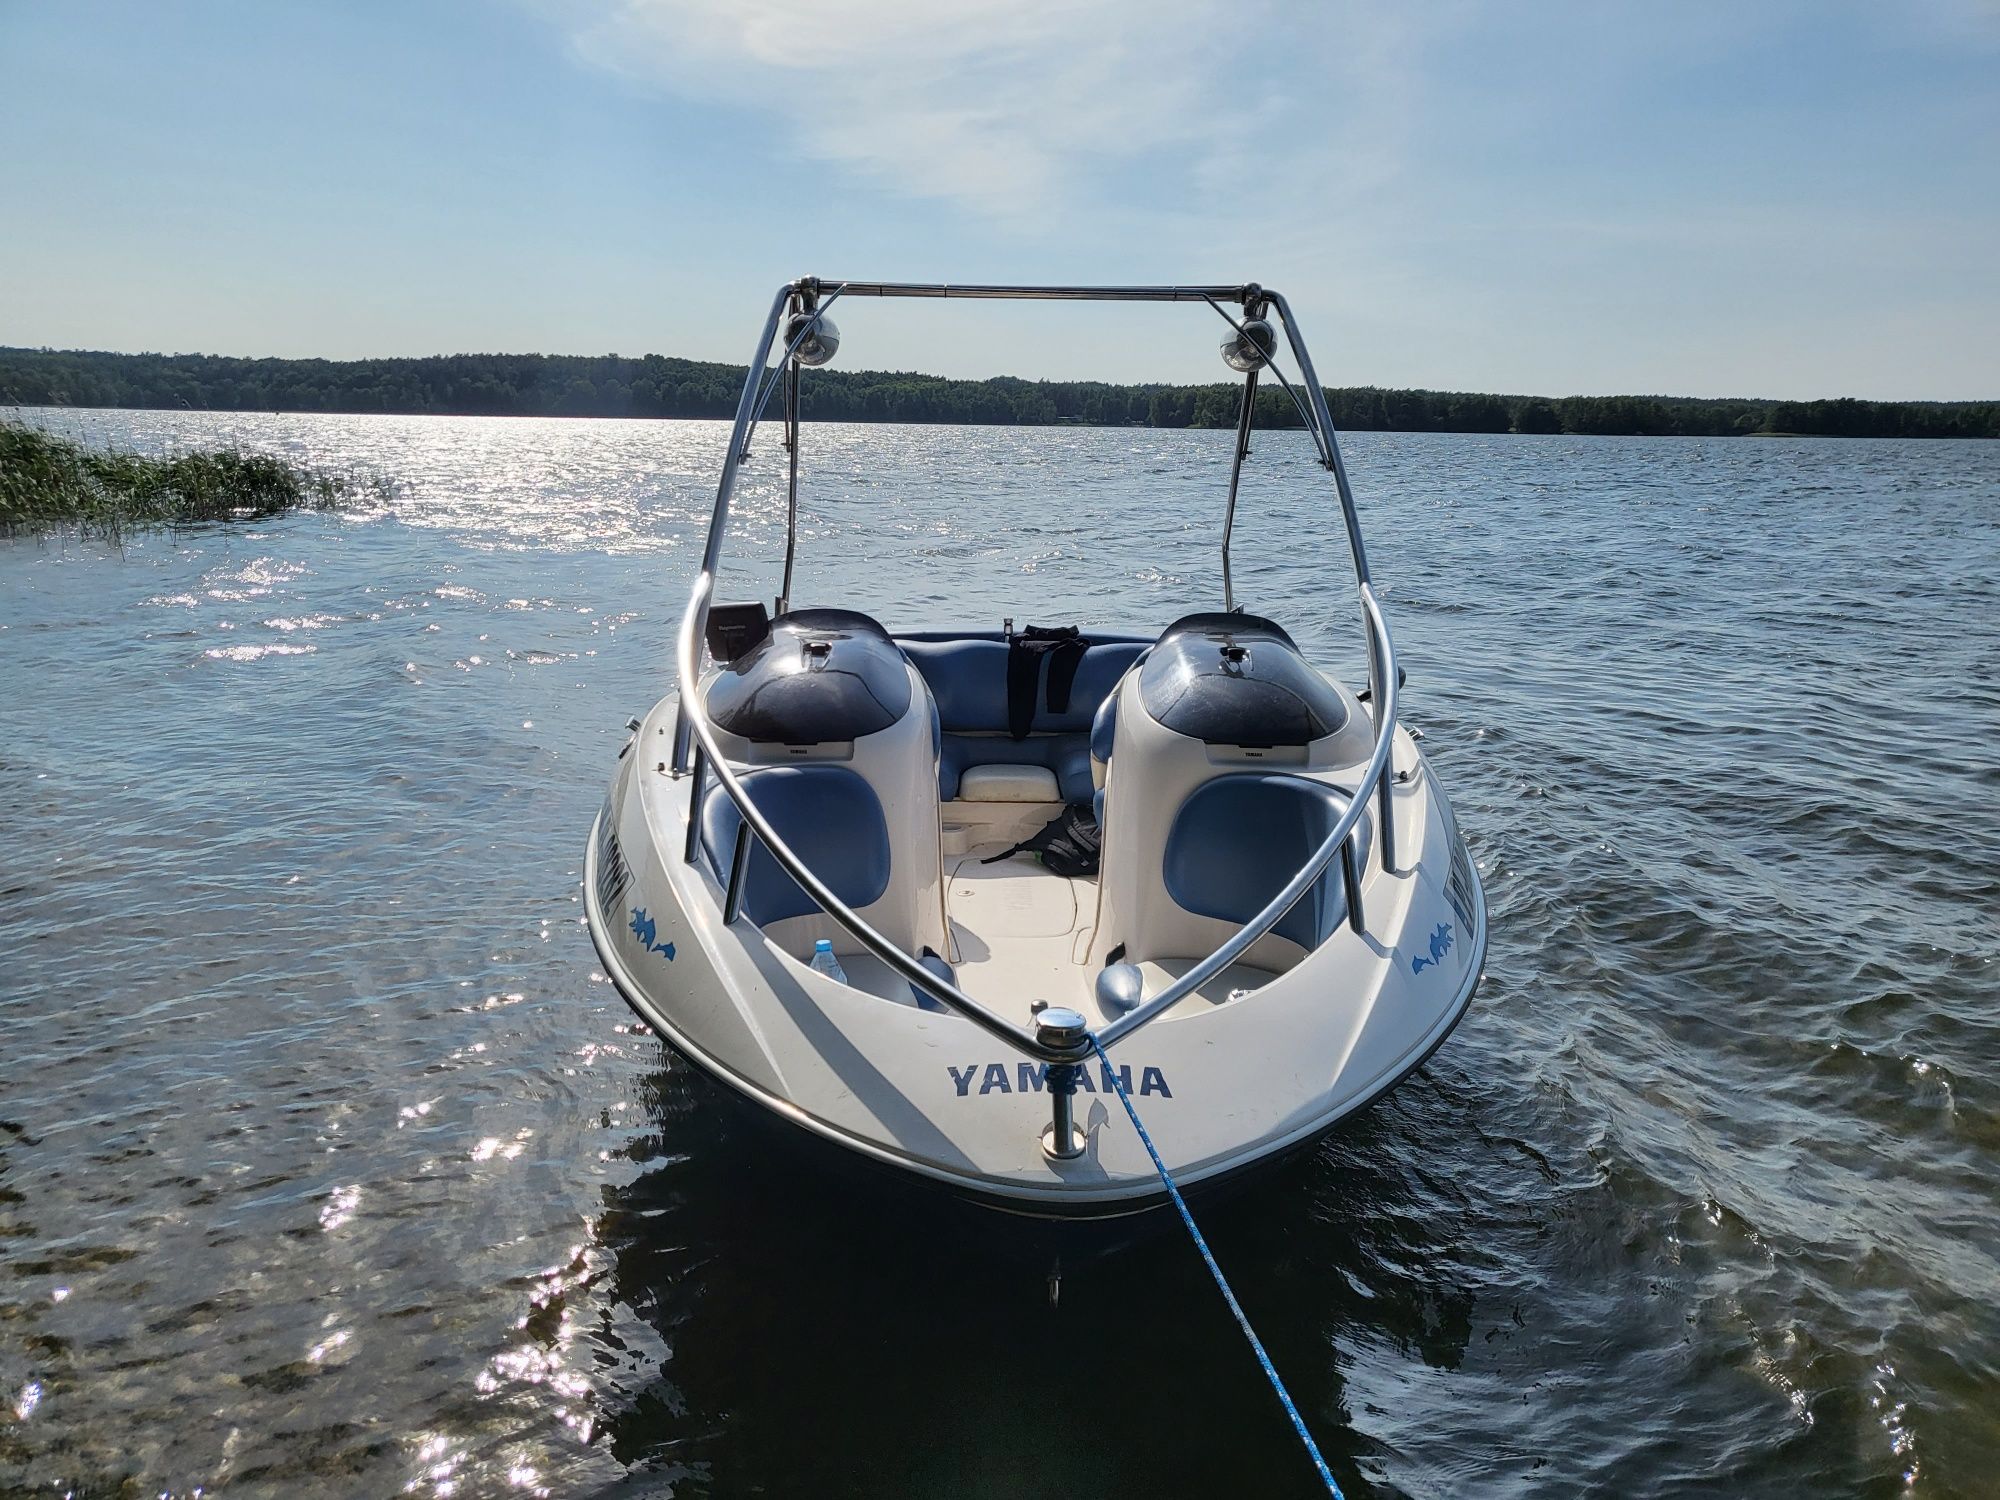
(331, 1165)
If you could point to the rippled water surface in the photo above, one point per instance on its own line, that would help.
(330, 1164)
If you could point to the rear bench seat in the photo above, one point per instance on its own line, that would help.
(968, 680)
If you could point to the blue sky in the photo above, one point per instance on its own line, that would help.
(1755, 198)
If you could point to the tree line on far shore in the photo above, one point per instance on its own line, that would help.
(561, 385)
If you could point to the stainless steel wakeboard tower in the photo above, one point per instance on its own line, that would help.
(798, 314)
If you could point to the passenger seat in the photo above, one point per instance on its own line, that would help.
(834, 736)
(1217, 757)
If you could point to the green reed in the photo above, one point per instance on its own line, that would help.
(48, 482)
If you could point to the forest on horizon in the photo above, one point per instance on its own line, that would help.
(661, 386)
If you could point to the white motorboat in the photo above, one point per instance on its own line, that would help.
(1282, 922)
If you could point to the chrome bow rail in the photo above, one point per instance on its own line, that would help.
(810, 295)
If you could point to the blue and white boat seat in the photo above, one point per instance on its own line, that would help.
(832, 732)
(1223, 760)
(967, 676)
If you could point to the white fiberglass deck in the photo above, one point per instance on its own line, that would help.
(1021, 934)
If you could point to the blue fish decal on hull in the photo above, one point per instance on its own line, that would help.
(1440, 946)
(647, 931)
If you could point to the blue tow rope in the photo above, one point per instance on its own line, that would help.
(1221, 1281)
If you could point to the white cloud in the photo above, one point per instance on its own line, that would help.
(1552, 197)
(1015, 107)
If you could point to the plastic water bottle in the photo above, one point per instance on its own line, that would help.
(823, 962)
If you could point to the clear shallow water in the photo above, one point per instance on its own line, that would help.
(329, 1164)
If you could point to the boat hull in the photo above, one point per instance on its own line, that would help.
(1225, 1090)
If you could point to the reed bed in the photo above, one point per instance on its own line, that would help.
(49, 482)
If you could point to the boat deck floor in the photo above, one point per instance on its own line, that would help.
(1021, 933)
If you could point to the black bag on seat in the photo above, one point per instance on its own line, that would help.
(1068, 845)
